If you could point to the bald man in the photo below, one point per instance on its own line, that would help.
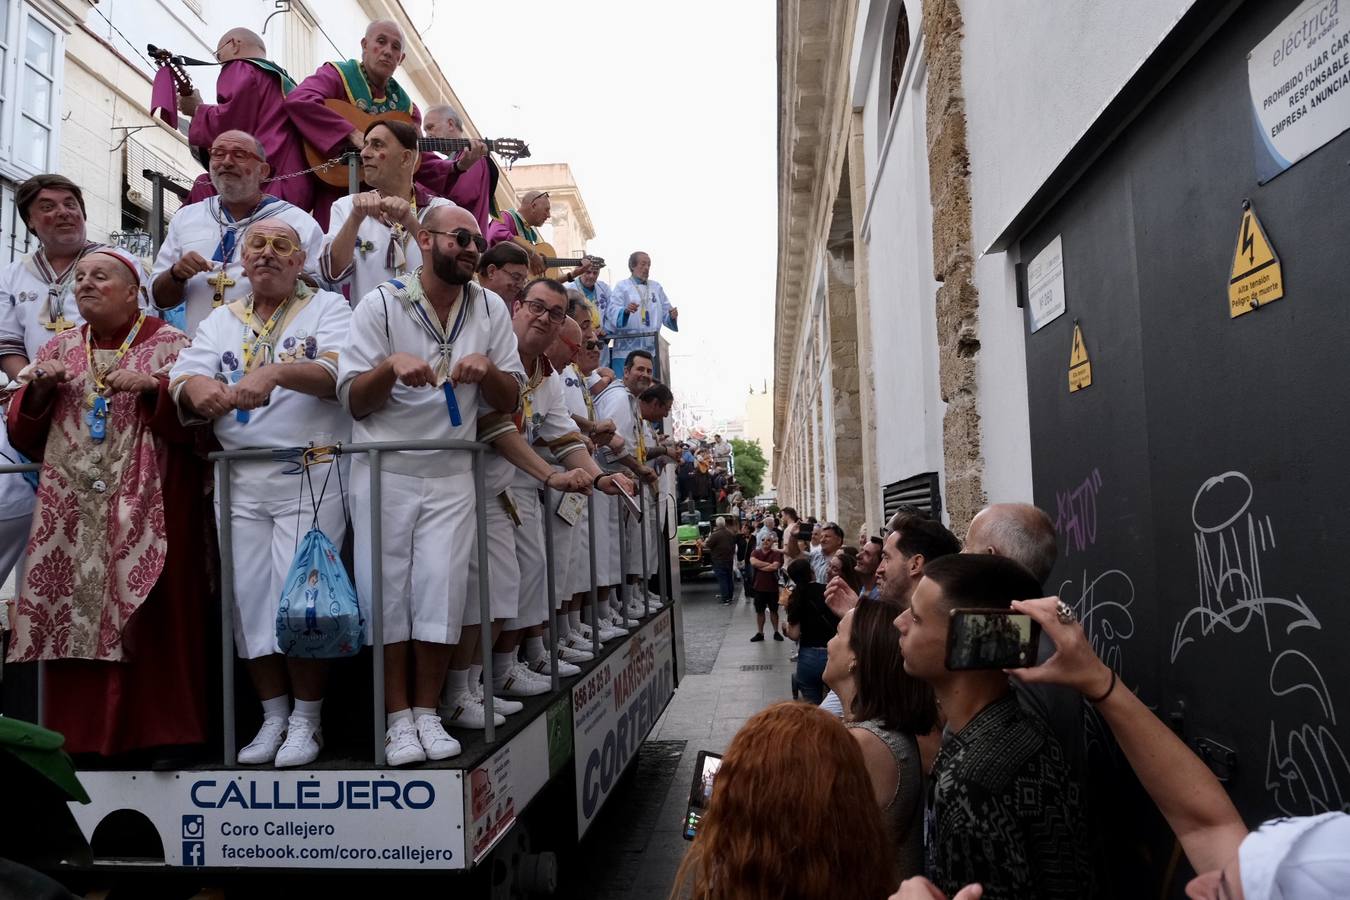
(250, 97)
(477, 182)
(425, 354)
(369, 85)
(280, 394)
(521, 224)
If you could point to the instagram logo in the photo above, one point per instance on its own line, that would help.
(194, 846)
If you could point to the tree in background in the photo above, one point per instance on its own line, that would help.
(750, 466)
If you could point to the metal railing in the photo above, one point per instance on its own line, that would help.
(375, 455)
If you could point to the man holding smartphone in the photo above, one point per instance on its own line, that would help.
(1003, 808)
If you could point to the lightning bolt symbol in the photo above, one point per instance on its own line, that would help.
(1248, 245)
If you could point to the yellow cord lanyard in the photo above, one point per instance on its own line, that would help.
(250, 349)
(585, 393)
(95, 399)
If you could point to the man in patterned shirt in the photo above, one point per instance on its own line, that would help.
(1003, 809)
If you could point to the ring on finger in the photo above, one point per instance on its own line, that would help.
(1064, 612)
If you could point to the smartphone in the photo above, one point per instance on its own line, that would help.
(700, 792)
(991, 639)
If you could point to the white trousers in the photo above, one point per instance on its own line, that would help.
(564, 539)
(530, 560)
(579, 570)
(427, 528)
(503, 570)
(263, 538)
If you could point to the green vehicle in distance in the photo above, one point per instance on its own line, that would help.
(690, 534)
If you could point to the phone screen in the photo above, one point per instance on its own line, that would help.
(991, 639)
(700, 792)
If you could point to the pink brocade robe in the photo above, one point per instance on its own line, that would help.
(328, 131)
(122, 577)
(92, 555)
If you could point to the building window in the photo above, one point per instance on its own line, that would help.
(298, 41)
(899, 51)
(919, 493)
(31, 51)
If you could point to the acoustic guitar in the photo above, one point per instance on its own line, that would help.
(163, 58)
(551, 260)
(509, 149)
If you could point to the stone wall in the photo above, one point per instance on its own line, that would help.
(953, 262)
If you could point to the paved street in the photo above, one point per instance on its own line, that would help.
(634, 849)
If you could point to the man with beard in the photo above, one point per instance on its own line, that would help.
(199, 264)
(370, 235)
(36, 304)
(426, 353)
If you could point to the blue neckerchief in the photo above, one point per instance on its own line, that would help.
(225, 249)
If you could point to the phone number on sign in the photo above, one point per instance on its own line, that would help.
(585, 693)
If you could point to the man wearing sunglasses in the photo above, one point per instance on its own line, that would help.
(427, 353)
(250, 96)
(199, 266)
(263, 369)
(371, 235)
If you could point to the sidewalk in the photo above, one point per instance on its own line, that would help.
(706, 712)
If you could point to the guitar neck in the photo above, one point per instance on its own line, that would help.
(552, 263)
(450, 145)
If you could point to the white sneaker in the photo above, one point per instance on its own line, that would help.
(542, 668)
(573, 655)
(584, 630)
(576, 640)
(401, 745)
(518, 681)
(304, 739)
(263, 748)
(610, 632)
(466, 711)
(503, 705)
(657, 602)
(434, 740)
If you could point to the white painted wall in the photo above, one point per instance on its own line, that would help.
(899, 235)
(1065, 61)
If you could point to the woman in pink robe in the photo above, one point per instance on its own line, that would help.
(113, 596)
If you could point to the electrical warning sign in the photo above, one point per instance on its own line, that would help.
(1256, 278)
(1080, 368)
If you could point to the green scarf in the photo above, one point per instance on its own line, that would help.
(287, 82)
(358, 90)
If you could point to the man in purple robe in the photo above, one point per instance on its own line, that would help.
(369, 85)
(250, 96)
(477, 181)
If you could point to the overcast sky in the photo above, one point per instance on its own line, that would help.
(666, 114)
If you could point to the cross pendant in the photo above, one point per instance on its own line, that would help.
(59, 324)
(219, 282)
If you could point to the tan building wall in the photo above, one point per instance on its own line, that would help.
(569, 227)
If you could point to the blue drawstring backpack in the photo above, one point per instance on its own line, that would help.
(318, 617)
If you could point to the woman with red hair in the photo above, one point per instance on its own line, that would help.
(792, 817)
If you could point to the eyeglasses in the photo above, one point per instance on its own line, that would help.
(464, 237)
(224, 44)
(537, 309)
(237, 154)
(592, 345)
(281, 245)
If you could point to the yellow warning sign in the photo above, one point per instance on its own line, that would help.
(1256, 279)
(1080, 368)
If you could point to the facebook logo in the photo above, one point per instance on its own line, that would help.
(194, 847)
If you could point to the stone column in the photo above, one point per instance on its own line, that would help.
(855, 170)
(845, 380)
(958, 336)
